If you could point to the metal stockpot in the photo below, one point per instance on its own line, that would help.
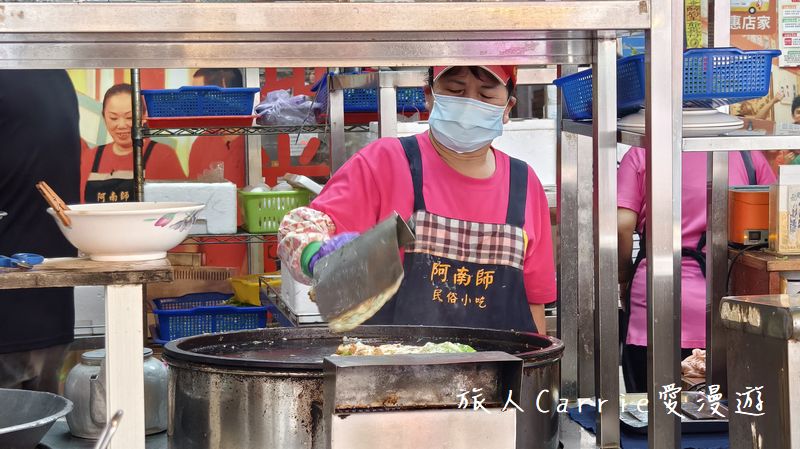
(264, 388)
(85, 387)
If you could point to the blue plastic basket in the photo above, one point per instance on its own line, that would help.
(194, 101)
(714, 77)
(200, 313)
(577, 89)
(409, 99)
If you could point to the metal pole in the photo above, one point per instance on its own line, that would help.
(606, 330)
(664, 65)
(586, 271)
(387, 105)
(253, 172)
(716, 275)
(336, 117)
(137, 136)
(568, 271)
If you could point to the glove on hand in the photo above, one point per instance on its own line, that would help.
(329, 247)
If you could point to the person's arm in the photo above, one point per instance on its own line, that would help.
(537, 311)
(539, 269)
(763, 111)
(626, 225)
(348, 203)
(630, 200)
(299, 229)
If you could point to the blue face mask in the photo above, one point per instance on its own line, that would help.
(465, 125)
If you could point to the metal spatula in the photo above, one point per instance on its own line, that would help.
(353, 283)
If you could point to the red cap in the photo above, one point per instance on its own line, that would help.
(503, 73)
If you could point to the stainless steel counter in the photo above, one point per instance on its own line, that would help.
(573, 436)
(59, 438)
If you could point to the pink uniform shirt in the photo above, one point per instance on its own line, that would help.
(377, 181)
(631, 193)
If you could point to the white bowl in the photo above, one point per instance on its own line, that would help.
(122, 232)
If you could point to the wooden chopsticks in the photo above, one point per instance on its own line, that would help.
(54, 201)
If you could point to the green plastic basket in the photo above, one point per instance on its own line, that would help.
(263, 211)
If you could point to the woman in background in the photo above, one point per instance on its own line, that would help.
(107, 170)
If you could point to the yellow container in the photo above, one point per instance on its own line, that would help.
(246, 288)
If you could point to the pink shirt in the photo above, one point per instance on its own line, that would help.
(377, 181)
(631, 193)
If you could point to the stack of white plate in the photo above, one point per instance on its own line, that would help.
(696, 123)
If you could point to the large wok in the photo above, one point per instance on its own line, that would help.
(263, 388)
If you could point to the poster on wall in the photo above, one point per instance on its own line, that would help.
(694, 23)
(789, 38)
(752, 17)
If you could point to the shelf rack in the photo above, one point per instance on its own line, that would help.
(356, 34)
(247, 130)
(239, 237)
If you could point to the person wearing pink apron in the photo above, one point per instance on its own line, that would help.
(483, 254)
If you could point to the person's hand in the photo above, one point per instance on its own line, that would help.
(329, 247)
(778, 96)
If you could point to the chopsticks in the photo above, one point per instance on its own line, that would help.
(54, 201)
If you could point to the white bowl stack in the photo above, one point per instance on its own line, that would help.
(696, 123)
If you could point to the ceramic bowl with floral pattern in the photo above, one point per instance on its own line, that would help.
(128, 231)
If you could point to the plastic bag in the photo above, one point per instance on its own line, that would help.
(281, 108)
(214, 173)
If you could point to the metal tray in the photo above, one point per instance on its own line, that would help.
(693, 420)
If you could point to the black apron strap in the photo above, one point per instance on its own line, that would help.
(752, 179)
(97, 156)
(411, 147)
(147, 152)
(697, 253)
(517, 192)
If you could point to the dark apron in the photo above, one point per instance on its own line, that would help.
(460, 273)
(114, 188)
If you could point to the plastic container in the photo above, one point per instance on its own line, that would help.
(247, 288)
(200, 313)
(712, 77)
(263, 211)
(577, 89)
(192, 101)
(409, 99)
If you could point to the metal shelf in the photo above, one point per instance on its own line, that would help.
(247, 130)
(356, 34)
(289, 17)
(240, 237)
(732, 141)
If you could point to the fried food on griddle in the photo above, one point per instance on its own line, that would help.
(359, 348)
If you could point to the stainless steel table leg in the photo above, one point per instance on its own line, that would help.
(606, 291)
(664, 63)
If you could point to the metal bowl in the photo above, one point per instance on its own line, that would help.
(26, 416)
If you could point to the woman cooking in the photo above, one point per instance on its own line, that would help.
(483, 253)
(107, 171)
